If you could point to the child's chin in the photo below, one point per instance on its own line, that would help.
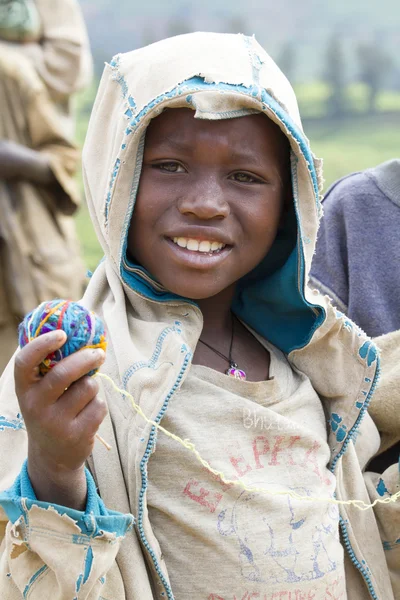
(196, 292)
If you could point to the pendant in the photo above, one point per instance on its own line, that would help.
(235, 372)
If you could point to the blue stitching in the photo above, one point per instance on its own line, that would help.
(360, 417)
(132, 196)
(114, 174)
(256, 62)
(356, 563)
(120, 79)
(152, 361)
(143, 470)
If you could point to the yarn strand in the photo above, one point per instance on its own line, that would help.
(360, 504)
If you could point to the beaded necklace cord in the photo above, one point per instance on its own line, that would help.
(233, 370)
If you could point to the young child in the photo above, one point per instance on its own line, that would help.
(205, 197)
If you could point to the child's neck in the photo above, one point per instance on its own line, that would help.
(217, 321)
(217, 332)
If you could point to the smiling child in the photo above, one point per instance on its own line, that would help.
(205, 197)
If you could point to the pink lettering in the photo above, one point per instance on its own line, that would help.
(201, 497)
(311, 457)
(239, 464)
(332, 592)
(259, 451)
(276, 450)
(293, 440)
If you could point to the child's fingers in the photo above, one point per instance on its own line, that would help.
(91, 417)
(29, 358)
(69, 370)
(78, 395)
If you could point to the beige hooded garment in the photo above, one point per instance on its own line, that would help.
(53, 552)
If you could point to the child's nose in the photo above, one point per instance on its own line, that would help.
(206, 200)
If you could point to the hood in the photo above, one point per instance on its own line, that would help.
(219, 76)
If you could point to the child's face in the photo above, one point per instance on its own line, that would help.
(206, 184)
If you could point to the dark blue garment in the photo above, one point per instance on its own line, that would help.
(357, 260)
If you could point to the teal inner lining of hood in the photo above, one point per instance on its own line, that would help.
(270, 299)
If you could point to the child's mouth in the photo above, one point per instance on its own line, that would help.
(203, 246)
(198, 254)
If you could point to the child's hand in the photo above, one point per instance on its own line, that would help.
(62, 414)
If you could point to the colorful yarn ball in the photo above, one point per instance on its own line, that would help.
(84, 329)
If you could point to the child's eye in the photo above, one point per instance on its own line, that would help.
(169, 167)
(245, 178)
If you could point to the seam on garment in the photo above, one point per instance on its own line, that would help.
(132, 196)
(351, 434)
(34, 579)
(111, 185)
(362, 569)
(144, 476)
(120, 79)
(255, 60)
(151, 363)
(75, 539)
(229, 113)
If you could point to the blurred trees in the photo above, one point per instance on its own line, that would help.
(352, 80)
(335, 76)
(287, 60)
(374, 67)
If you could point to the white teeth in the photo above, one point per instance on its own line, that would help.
(192, 245)
(195, 246)
(205, 246)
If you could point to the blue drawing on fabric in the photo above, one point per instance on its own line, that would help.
(368, 352)
(272, 553)
(337, 428)
(15, 424)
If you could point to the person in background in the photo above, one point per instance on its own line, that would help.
(358, 248)
(53, 36)
(39, 252)
(357, 264)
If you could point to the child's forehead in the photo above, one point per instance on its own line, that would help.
(182, 126)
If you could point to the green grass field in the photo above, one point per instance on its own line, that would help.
(346, 146)
(312, 99)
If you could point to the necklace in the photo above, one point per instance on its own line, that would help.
(233, 370)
